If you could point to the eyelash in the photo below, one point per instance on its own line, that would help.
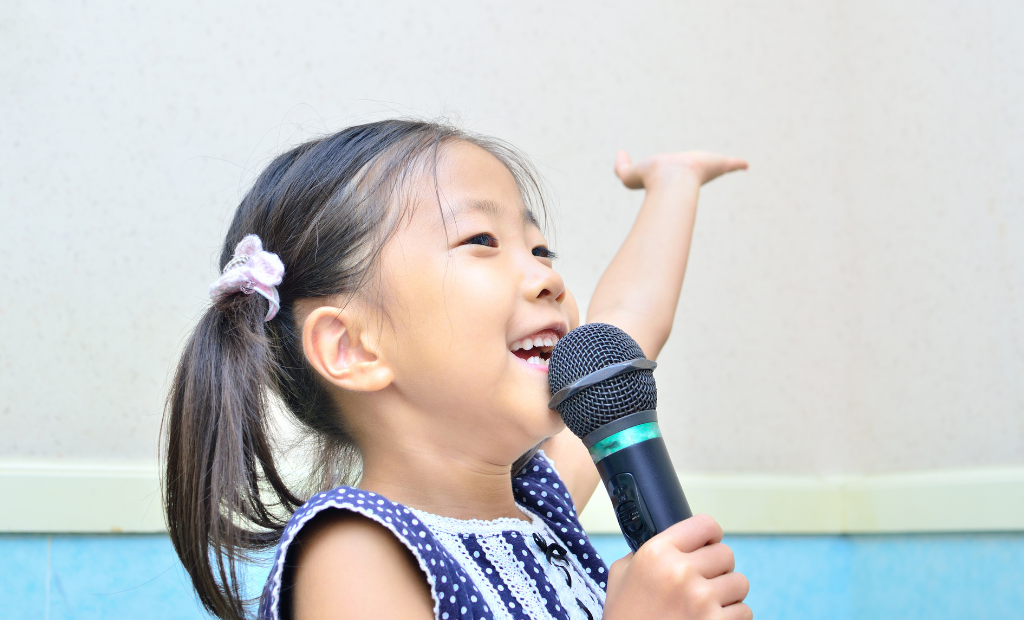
(490, 241)
(543, 252)
(486, 238)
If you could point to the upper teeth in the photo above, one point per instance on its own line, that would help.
(535, 341)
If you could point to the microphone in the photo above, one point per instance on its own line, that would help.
(603, 387)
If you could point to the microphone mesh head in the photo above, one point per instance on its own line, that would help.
(592, 347)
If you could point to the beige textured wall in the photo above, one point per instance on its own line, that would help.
(855, 302)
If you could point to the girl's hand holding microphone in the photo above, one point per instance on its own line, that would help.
(684, 572)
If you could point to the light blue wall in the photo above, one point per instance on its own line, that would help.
(910, 577)
(906, 577)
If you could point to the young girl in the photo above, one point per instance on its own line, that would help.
(391, 285)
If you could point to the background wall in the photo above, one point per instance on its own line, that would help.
(854, 300)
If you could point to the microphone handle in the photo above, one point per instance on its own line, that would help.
(644, 489)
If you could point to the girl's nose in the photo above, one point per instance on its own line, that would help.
(543, 282)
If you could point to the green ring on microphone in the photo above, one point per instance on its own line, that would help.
(624, 439)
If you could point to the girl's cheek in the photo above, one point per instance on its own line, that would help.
(483, 290)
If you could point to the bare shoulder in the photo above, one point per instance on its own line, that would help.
(349, 567)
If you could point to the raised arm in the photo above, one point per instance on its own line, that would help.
(639, 290)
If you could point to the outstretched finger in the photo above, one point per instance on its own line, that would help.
(724, 165)
(627, 172)
(735, 163)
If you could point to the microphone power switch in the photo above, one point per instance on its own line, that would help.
(630, 510)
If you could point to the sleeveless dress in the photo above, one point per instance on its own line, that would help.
(503, 569)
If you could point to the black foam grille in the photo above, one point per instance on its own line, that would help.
(589, 348)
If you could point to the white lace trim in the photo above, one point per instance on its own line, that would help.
(451, 525)
(584, 587)
(453, 543)
(512, 572)
(554, 576)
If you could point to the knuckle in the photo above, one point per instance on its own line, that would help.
(681, 573)
(653, 551)
(701, 596)
(618, 566)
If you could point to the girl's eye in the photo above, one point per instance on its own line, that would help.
(482, 239)
(543, 252)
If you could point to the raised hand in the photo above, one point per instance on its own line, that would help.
(683, 573)
(699, 166)
(640, 289)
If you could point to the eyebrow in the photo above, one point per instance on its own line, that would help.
(492, 208)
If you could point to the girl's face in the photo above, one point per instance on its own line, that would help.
(475, 308)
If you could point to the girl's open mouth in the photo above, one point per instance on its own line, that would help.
(535, 349)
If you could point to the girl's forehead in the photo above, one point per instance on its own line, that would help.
(464, 168)
(469, 181)
(493, 210)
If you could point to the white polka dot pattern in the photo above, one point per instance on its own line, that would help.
(480, 570)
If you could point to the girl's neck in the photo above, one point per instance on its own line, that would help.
(440, 481)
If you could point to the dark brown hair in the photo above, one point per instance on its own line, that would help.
(326, 207)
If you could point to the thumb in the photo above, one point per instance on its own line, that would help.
(693, 533)
(626, 171)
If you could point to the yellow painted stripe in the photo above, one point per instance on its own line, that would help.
(80, 497)
(119, 496)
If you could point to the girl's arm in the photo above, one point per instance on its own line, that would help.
(639, 290)
(348, 567)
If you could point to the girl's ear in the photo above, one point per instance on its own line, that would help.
(340, 348)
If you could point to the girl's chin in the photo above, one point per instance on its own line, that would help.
(545, 427)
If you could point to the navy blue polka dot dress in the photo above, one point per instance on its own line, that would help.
(504, 569)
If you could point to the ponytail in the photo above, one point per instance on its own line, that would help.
(224, 496)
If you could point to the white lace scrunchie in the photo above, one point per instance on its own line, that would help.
(251, 270)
